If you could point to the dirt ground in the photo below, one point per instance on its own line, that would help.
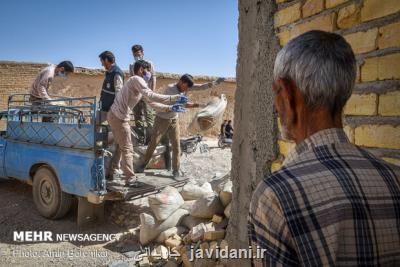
(17, 213)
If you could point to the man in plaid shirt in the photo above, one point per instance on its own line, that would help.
(332, 203)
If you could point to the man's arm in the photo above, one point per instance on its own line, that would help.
(152, 96)
(268, 230)
(118, 83)
(205, 86)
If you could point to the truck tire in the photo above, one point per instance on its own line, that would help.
(49, 199)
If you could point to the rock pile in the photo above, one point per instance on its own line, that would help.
(188, 222)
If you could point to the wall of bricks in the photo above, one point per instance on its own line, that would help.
(372, 28)
(17, 77)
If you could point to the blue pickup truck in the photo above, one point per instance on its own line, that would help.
(60, 147)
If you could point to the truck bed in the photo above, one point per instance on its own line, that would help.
(150, 182)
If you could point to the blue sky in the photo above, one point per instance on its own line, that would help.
(179, 36)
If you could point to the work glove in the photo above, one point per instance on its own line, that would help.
(177, 108)
(183, 99)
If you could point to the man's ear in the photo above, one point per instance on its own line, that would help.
(288, 94)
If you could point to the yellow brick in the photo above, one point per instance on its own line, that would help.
(389, 35)
(280, 1)
(349, 16)
(312, 7)
(394, 161)
(284, 37)
(381, 68)
(276, 165)
(363, 42)
(333, 3)
(361, 105)
(285, 147)
(323, 23)
(287, 15)
(349, 132)
(389, 104)
(382, 136)
(214, 235)
(373, 9)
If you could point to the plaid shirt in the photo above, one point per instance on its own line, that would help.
(332, 204)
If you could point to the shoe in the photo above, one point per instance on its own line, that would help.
(178, 176)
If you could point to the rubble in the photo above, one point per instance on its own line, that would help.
(198, 225)
(178, 230)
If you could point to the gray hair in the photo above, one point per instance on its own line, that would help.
(323, 67)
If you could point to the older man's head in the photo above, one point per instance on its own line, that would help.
(314, 76)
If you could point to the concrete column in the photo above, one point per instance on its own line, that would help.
(255, 137)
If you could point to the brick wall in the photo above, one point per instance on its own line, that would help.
(372, 28)
(17, 77)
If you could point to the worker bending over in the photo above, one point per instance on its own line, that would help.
(118, 117)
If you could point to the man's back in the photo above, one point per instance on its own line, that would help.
(331, 204)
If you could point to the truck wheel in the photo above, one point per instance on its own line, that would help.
(49, 200)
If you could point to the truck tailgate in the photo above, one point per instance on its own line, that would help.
(151, 182)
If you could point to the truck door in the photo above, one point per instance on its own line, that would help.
(2, 156)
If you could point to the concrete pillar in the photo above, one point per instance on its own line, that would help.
(255, 137)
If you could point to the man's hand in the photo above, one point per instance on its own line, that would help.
(192, 105)
(180, 99)
(177, 108)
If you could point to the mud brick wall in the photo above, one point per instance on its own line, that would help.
(17, 77)
(372, 28)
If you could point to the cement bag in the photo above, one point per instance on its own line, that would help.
(209, 116)
(150, 229)
(192, 191)
(189, 221)
(187, 205)
(165, 203)
(206, 207)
